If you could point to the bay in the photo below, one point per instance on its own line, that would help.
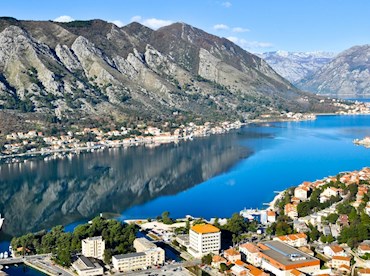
(208, 177)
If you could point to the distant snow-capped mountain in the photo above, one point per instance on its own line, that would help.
(295, 66)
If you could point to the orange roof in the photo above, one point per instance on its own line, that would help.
(346, 267)
(365, 270)
(271, 213)
(250, 247)
(254, 270)
(241, 263)
(341, 258)
(218, 259)
(295, 272)
(336, 248)
(205, 228)
(231, 252)
(364, 247)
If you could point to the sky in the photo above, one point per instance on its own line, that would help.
(255, 25)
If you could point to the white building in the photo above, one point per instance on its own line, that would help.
(301, 193)
(250, 254)
(148, 254)
(93, 247)
(204, 239)
(334, 250)
(85, 267)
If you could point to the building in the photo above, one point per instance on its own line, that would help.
(291, 211)
(296, 240)
(147, 255)
(250, 253)
(183, 240)
(364, 272)
(271, 216)
(128, 262)
(254, 271)
(363, 248)
(280, 258)
(143, 244)
(217, 260)
(296, 272)
(204, 239)
(93, 247)
(232, 255)
(338, 261)
(334, 250)
(301, 193)
(86, 267)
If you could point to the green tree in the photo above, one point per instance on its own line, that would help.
(207, 259)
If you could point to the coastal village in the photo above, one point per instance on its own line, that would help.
(20, 145)
(317, 228)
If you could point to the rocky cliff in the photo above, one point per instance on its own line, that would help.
(347, 75)
(83, 71)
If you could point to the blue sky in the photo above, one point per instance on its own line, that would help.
(256, 25)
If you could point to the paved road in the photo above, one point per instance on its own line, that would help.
(167, 270)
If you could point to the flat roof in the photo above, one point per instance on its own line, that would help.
(145, 242)
(282, 253)
(204, 228)
(86, 261)
(129, 255)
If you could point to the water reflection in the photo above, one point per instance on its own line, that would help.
(38, 194)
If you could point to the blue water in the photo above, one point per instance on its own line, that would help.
(298, 151)
(22, 270)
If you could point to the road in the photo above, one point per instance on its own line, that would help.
(167, 270)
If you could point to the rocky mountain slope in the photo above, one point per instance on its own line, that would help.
(93, 72)
(295, 66)
(347, 75)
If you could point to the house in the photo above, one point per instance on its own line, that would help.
(345, 269)
(334, 250)
(254, 271)
(364, 272)
(363, 248)
(343, 220)
(239, 270)
(86, 267)
(306, 250)
(232, 255)
(271, 216)
(291, 210)
(295, 200)
(295, 240)
(338, 261)
(217, 260)
(300, 226)
(301, 192)
(328, 193)
(250, 253)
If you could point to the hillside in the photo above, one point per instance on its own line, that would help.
(347, 75)
(95, 73)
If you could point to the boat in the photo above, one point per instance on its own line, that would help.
(1, 221)
(1, 255)
(6, 255)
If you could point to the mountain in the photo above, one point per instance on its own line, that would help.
(295, 66)
(95, 73)
(347, 75)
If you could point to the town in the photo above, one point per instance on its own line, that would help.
(19, 146)
(316, 228)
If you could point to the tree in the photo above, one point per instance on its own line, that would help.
(314, 234)
(166, 219)
(332, 218)
(207, 259)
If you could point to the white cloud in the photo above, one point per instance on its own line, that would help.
(118, 23)
(136, 18)
(226, 4)
(64, 18)
(153, 23)
(220, 27)
(245, 44)
(240, 30)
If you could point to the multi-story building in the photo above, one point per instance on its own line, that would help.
(93, 247)
(280, 259)
(232, 255)
(250, 254)
(204, 239)
(148, 254)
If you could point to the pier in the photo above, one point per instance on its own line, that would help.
(11, 261)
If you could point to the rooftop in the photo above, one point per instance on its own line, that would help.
(286, 255)
(205, 228)
(129, 255)
(250, 247)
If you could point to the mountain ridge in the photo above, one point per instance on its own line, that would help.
(93, 71)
